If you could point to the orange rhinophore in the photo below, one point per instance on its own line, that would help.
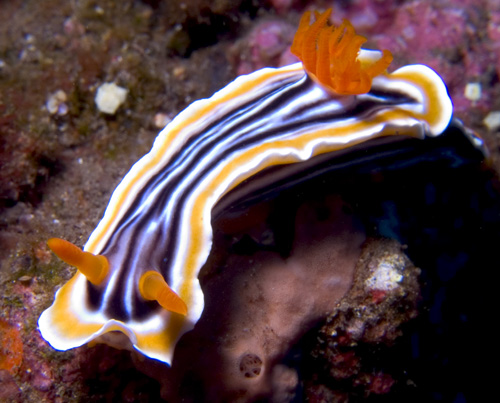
(153, 287)
(330, 55)
(94, 267)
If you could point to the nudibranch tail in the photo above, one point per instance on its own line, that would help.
(153, 287)
(94, 267)
(330, 55)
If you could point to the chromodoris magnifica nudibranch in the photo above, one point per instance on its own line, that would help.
(138, 273)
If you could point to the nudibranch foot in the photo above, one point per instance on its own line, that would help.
(94, 267)
(331, 55)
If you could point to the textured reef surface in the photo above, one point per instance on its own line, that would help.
(412, 240)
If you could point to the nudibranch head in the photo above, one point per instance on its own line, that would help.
(330, 54)
(152, 286)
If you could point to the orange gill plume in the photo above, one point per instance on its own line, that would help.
(330, 55)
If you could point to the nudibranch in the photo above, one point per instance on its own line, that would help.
(138, 272)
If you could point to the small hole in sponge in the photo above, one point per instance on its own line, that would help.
(250, 365)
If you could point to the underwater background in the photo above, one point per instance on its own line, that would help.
(432, 210)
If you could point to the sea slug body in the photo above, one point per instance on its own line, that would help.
(138, 273)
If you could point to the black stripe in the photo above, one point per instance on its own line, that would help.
(199, 146)
(171, 169)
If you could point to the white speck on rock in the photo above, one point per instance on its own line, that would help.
(386, 276)
(161, 120)
(109, 97)
(56, 103)
(356, 328)
(409, 32)
(472, 91)
(492, 120)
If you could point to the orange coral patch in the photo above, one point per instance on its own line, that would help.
(11, 347)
